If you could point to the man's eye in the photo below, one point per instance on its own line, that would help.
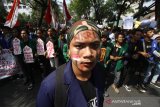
(79, 46)
(95, 46)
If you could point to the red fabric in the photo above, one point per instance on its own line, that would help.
(48, 16)
(9, 17)
(66, 12)
(12, 16)
(17, 23)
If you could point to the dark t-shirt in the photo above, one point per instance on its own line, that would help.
(89, 92)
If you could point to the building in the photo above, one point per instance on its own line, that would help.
(22, 8)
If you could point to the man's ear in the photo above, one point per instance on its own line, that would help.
(69, 53)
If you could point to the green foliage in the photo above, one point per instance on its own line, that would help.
(3, 13)
(79, 8)
(23, 19)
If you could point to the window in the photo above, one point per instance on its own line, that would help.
(20, 7)
(24, 7)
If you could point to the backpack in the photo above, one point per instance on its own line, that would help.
(61, 90)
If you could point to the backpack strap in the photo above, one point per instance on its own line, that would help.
(61, 90)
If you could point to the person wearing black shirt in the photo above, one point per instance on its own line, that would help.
(83, 74)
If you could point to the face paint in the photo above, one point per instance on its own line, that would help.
(75, 57)
(84, 50)
(86, 35)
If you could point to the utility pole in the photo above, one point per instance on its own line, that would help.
(157, 13)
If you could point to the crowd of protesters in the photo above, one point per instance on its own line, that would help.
(130, 57)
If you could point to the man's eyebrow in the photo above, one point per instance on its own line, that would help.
(78, 42)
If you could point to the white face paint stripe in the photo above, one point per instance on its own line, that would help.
(75, 57)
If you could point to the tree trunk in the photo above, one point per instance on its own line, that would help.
(118, 18)
(140, 8)
(41, 17)
(157, 13)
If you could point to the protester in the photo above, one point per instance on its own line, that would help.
(62, 42)
(17, 50)
(52, 48)
(82, 76)
(29, 50)
(131, 67)
(117, 57)
(156, 70)
(104, 59)
(40, 52)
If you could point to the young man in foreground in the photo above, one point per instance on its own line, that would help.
(82, 77)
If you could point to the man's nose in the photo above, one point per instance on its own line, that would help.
(87, 52)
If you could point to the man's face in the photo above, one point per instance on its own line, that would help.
(84, 50)
(24, 35)
(150, 33)
(50, 32)
(138, 35)
(39, 33)
(120, 38)
(104, 39)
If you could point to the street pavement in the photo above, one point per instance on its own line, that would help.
(13, 93)
(134, 98)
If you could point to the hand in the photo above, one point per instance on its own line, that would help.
(116, 58)
(146, 55)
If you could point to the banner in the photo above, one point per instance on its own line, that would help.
(50, 49)
(128, 23)
(8, 65)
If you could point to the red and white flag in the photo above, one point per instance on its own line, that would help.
(12, 17)
(66, 12)
(50, 16)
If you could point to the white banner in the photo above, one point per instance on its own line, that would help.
(128, 23)
(28, 54)
(8, 65)
(40, 47)
(50, 49)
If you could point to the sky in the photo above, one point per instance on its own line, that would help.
(67, 1)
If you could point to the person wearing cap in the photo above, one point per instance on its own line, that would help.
(82, 75)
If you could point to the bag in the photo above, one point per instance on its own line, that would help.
(61, 90)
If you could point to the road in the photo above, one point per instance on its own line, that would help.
(14, 94)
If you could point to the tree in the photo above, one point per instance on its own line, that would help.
(80, 8)
(101, 9)
(142, 11)
(3, 13)
(123, 6)
(157, 13)
(39, 8)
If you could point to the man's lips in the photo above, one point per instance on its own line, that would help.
(87, 63)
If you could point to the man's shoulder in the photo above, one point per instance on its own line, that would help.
(50, 80)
